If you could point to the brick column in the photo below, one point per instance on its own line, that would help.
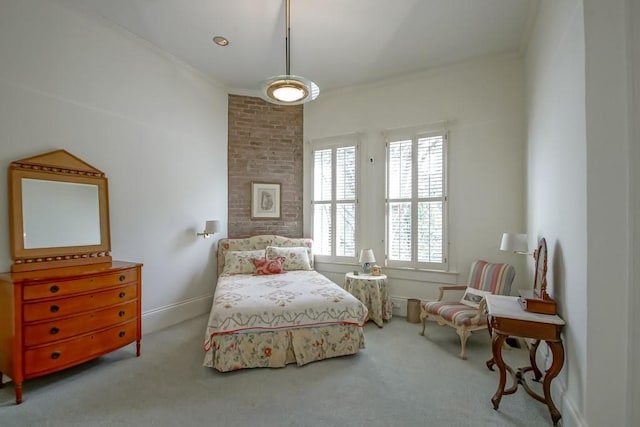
(265, 145)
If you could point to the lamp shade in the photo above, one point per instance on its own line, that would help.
(514, 242)
(366, 256)
(212, 227)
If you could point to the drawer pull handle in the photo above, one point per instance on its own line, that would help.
(122, 294)
(121, 313)
(122, 277)
(54, 330)
(121, 334)
(55, 354)
(54, 308)
(54, 289)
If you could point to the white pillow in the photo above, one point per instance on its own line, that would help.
(240, 262)
(295, 258)
(473, 296)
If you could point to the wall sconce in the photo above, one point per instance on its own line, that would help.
(516, 243)
(366, 259)
(210, 228)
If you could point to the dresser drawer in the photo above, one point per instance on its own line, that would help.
(60, 307)
(70, 352)
(42, 333)
(68, 287)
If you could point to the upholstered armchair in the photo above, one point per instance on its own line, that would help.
(468, 314)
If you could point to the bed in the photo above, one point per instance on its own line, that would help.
(270, 320)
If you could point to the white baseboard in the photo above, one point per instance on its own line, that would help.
(571, 416)
(399, 306)
(163, 317)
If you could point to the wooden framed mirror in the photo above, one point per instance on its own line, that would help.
(58, 212)
(540, 278)
(538, 300)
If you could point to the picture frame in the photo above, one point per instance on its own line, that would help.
(266, 200)
(473, 296)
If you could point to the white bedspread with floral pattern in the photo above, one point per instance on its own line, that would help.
(295, 299)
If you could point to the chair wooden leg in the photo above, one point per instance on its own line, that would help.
(423, 318)
(464, 334)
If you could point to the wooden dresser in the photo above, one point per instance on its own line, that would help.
(56, 318)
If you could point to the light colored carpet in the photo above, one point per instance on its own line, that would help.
(400, 379)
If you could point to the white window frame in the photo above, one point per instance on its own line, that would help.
(413, 135)
(333, 143)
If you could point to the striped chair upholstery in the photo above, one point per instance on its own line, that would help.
(484, 276)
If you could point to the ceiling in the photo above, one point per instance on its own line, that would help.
(336, 43)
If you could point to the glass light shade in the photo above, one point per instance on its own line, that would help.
(514, 242)
(289, 90)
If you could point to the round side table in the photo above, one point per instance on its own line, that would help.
(373, 291)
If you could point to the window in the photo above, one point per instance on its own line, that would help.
(334, 200)
(417, 201)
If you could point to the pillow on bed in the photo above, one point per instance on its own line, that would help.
(295, 258)
(240, 262)
(268, 266)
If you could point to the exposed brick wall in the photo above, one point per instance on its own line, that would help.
(265, 145)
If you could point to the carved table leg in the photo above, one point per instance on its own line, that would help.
(491, 361)
(496, 347)
(1, 378)
(138, 348)
(557, 351)
(532, 359)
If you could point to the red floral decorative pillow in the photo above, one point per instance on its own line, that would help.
(271, 266)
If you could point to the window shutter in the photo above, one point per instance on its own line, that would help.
(346, 192)
(430, 167)
(400, 169)
(416, 200)
(322, 175)
(334, 200)
(400, 231)
(430, 195)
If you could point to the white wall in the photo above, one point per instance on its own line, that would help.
(634, 301)
(152, 124)
(608, 99)
(484, 98)
(578, 196)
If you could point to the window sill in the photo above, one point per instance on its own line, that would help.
(400, 273)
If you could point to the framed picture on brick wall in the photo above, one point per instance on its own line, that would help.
(266, 202)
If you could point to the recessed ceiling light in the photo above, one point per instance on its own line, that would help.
(221, 41)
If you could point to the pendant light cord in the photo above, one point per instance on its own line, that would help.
(287, 35)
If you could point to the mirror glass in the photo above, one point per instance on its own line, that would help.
(59, 214)
(540, 279)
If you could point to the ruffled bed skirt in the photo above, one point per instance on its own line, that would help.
(275, 349)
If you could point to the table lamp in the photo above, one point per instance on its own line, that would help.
(366, 259)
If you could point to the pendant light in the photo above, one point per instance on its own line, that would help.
(288, 89)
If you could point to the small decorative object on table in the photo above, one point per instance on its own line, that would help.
(375, 270)
(366, 259)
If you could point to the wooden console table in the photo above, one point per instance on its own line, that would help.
(507, 318)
